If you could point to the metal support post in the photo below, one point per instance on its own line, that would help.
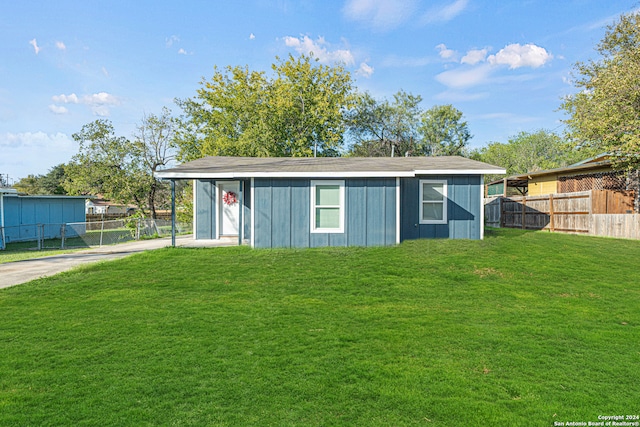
(173, 213)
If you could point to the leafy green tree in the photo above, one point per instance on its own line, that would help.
(529, 152)
(605, 113)
(53, 181)
(153, 143)
(50, 183)
(29, 185)
(119, 169)
(295, 112)
(105, 164)
(443, 131)
(383, 128)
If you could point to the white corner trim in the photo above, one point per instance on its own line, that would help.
(252, 211)
(397, 210)
(481, 207)
(216, 208)
(195, 209)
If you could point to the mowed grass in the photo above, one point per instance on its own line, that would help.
(523, 328)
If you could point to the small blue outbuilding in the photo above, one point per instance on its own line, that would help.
(313, 202)
(20, 216)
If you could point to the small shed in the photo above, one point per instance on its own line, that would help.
(21, 215)
(312, 202)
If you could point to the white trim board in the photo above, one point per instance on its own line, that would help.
(397, 211)
(362, 174)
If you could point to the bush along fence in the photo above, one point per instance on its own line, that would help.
(86, 234)
(595, 212)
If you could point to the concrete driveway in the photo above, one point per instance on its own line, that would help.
(18, 272)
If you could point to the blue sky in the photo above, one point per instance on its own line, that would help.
(504, 64)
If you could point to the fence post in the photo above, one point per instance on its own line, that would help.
(62, 233)
(138, 228)
(101, 231)
(2, 244)
(524, 211)
(155, 226)
(551, 215)
(40, 235)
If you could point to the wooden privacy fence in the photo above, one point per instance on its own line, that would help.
(595, 212)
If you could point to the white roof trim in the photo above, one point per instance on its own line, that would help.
(362, 174)
(460, 172)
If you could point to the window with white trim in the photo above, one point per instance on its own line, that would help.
(433, 201)
(327, 206)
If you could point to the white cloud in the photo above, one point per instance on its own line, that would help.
(66, 99)
(478, 68)
(98, 103)
(101, 98)
(100, 110)
(35, 139)
(307, 46)
(105, 72)
(474, 56)
(252, 36)
(517, 55)
(34, 43)
(181, 51)
(33, 152)
(460, 78)
(445, 13)
(445, 53)
(380, 14)
(61, 46)
(58, 109)
(171, 40)
(365, 70)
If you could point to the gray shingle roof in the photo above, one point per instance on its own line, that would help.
(322, 167)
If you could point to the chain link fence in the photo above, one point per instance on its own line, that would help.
(86, 234)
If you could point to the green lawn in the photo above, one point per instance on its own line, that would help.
(19, 251)
(521, 329)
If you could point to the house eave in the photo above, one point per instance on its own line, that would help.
(333, 174)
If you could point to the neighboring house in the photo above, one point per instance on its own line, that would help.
(312, 202)
(106, 207)
(20, 215)
(589, 197)
(595, 173)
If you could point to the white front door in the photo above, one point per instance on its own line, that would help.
(229, 207)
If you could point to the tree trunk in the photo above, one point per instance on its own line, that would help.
(152, 202)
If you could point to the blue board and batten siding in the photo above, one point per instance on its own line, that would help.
(282, 214)
(206, 208)
(463, 209)
(23, 214)
(280, 210)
